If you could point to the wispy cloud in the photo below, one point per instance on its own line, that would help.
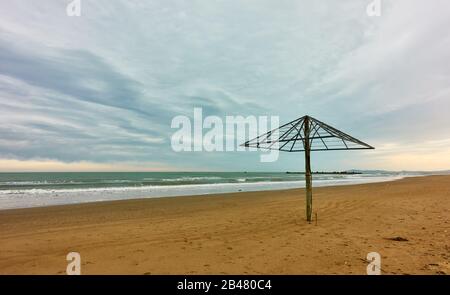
(102, 88)
(58, 166)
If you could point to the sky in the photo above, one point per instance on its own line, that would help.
(98, 92)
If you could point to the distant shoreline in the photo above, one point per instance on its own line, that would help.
(326, 173)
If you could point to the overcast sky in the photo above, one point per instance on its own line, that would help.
(99, 91)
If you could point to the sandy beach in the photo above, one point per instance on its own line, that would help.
(240, 233)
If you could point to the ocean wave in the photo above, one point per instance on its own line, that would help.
(38, 182)
(191, 178)
(36, 197)
(243, 182)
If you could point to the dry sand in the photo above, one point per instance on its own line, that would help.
(241, 233)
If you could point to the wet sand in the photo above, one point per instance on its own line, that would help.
(240, 233)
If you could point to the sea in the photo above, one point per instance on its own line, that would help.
(24, 190)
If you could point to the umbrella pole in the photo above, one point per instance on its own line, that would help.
(308, 177)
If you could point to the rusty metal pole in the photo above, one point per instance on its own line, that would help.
(308, 177)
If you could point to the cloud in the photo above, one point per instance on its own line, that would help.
(419, 156)
(103, 87)
(58, 166)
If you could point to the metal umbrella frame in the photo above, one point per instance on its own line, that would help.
(307, 134)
